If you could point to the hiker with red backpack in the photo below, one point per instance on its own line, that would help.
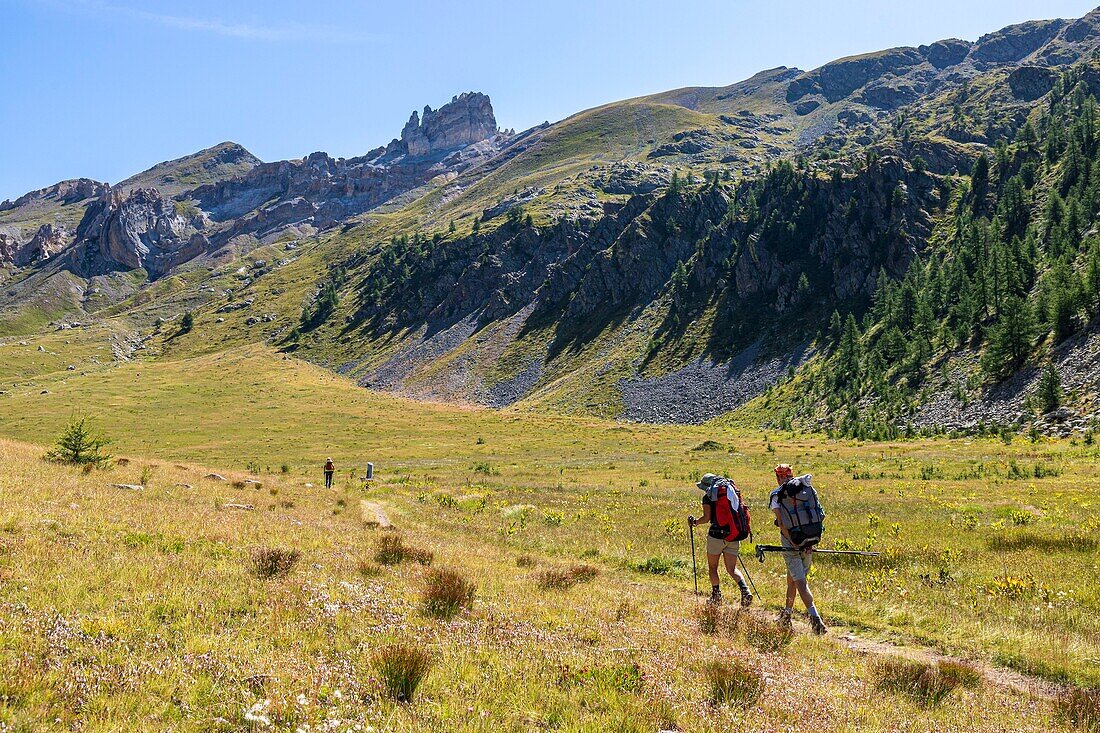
(800, 519)
(729, 524)
(330, 469)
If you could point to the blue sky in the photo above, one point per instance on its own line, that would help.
(106, 88)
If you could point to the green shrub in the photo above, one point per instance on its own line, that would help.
(659, 565)
(401, 668)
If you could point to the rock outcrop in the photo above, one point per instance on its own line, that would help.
(322, 191)
(465, 120)
(895, 77)
(45, 243)
(65, 192)
(141, 230)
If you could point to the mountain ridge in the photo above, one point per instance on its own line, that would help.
(556, 267)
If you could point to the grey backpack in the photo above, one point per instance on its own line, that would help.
(800, 511)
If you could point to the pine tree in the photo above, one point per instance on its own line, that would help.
(835, 327)
(187, 322)
(1010, 338)
(79, 446)
(1049, 389)
(1092, 280)
(849, 352)
(979, 182)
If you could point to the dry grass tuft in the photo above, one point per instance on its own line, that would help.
(733, 681)
(445, 593)
(961, 674)
(713, 617)
(763, 634)
(923, 682)
(563, 578)
(392, 550)
(368, 569)
(525, 561)
(401, 668)
(273, 562)
(1080, 708)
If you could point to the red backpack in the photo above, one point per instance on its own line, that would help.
(735, 524)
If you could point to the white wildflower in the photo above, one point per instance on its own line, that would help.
(258, 713)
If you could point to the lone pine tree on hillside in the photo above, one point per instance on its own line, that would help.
(79, 446)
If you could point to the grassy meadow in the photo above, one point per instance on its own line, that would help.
(168, 608)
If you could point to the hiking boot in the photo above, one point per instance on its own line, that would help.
(715, 596)
(784, 620)
(818, 625)
(746, 599)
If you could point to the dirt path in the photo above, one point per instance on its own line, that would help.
(1001, 677)
(374, 514)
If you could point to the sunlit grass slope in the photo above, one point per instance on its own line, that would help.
(138, 609)
(991, 549)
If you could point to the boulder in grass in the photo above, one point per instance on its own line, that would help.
(215, 477)
(242, 507)
(131, 487)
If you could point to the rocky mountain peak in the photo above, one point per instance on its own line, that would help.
(467, 119)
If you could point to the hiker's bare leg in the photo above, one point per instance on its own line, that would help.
(804, 591)
(731, 568)
(712, 564)
(791, 591)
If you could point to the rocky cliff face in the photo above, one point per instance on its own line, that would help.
(752, 255)
(141, 230)
(46, 242)
(228, 192)
(465, 120)
(889, 79)
(321, 191)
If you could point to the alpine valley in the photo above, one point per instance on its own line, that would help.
(898, 242)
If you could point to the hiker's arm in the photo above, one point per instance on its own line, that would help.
(782, 529)
(705, 518)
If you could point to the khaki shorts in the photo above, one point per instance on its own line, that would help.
(716, 546)
(798, 563)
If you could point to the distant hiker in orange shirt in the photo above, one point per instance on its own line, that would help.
(330, 468)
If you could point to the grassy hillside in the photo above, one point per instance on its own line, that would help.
(147, 608)
(978, 535)
(222, 161)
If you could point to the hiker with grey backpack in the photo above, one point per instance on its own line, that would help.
(728, 517)
(800, 519)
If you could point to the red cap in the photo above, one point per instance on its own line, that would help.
(783, 471)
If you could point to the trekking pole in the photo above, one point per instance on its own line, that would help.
(761, 549)
(694, 567)
(745, 568)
